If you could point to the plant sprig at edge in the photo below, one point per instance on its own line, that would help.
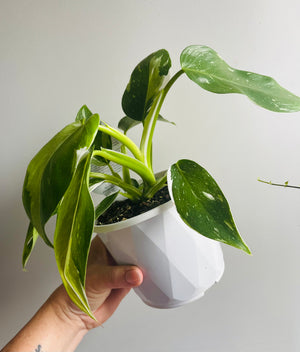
(60, 177)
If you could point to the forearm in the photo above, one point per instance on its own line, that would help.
(48, 331)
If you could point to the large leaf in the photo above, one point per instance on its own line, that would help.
(201, 204)
(205, 67)
(50, 171)
(146, 81)
(72, 238)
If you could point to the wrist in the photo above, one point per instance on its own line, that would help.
(66, 312)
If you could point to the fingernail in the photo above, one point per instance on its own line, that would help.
(133, 277)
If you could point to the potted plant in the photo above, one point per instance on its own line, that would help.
(62, 175)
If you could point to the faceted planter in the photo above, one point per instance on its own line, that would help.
(179, 265)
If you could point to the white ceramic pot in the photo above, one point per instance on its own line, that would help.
(179, 265)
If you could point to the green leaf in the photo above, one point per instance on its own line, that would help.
(126, 123)
(203, 66)
(29, 244)
(202, 205)
(101, 139)
(72, 238)
(146, 81)
(51, 170)
(105, 204)
(83, 114)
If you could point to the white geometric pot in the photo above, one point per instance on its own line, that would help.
(178, 264)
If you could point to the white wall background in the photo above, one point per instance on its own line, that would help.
(58, 55)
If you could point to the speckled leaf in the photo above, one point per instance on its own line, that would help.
(146, 81)
(201, 204)
(72, 238)
(205, 67)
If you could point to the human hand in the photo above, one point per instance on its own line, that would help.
(106, 285)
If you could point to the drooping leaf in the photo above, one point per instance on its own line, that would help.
(126, 123)
(105, 204)
(146, 81)
(51, 170)
(201, 203)
(72, 238)
(205, 67)
(31, 237)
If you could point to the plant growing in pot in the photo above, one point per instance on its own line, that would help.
(83, 155)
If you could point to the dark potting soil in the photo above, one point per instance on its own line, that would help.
(123, 210)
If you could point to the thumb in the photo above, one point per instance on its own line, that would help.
(117, 276)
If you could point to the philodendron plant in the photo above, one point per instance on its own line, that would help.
(60, 177)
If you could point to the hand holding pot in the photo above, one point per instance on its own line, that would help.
(106, 285)
(59, 325)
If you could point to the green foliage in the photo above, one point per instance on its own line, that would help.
(60, 177)
(205, 67)
(202, 205)
(72, 238)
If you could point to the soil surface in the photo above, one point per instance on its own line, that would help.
(123, 210)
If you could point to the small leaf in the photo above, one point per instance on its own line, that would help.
(83, 114)
(29, 244)
(72, 238)
(146, 81)
(201, 204)
(105, 204)
(126, 123)
(50, 171)
(205, 67)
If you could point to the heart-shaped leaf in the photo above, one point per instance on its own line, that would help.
(146, 81)
(72, 238)
(51, 170)
(201, 204)
(205, 67)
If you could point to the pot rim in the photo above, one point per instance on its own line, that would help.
(134, 220)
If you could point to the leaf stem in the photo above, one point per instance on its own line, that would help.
(125, 170)
(278, 184)
(127, 161)
(159, 184)
(151, 118)
(133, 191)
(123, 139)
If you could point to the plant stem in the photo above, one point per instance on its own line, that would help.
(150, 121)
(278, 184)
(127, 161)
(159, 184)
(123, 139)
(131, 190)
(125, 170)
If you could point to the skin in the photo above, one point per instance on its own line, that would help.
(59, 325)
